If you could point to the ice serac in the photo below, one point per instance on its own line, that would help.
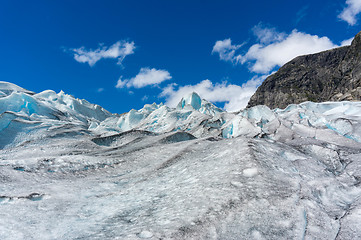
(73, 107)
(192, 100)
(24, 114)
(193, 115)
(48, 104)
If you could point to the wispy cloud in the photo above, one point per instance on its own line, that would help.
(267, 35)
(301, 14)
(99, 90)
(145, 98)
(234, 96)
(118, 50)
(273, 48)
(350, 12)
(145, 77)
(226, 50)
(121, 83)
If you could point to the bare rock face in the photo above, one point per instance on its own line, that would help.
(333, 75)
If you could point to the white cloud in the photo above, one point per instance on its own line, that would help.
(266, 57)
(267, 35)
(347, 42)
(121, 83)
(145, 77)
(145, 98)
(118, 50)
(273, 48)
(99, 90)
(225, 49)
(235, 97)
(349, 13)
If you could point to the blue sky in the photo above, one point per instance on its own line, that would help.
(124, 54)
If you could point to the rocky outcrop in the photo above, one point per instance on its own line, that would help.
(333, 75)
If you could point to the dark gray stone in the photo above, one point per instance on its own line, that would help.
(333, 75)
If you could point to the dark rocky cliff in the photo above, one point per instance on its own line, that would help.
(333, 75)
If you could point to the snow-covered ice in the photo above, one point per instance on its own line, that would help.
(69, 169)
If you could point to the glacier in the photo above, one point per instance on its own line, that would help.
(69, 169)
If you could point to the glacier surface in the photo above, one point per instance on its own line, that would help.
(70, 169)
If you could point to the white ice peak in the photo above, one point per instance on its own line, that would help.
(193, 115)
(193, 100)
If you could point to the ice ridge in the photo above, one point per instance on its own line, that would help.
(193, 114)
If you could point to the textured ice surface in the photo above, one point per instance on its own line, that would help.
(138, 185)
(71, 170)
(7, 88)
(192, 100)
(194, 115)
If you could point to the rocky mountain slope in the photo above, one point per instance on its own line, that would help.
(333, 75)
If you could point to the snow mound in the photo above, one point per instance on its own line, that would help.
(7, 88)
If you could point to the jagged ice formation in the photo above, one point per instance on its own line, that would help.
(69, 169)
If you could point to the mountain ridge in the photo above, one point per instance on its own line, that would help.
(332, 75)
